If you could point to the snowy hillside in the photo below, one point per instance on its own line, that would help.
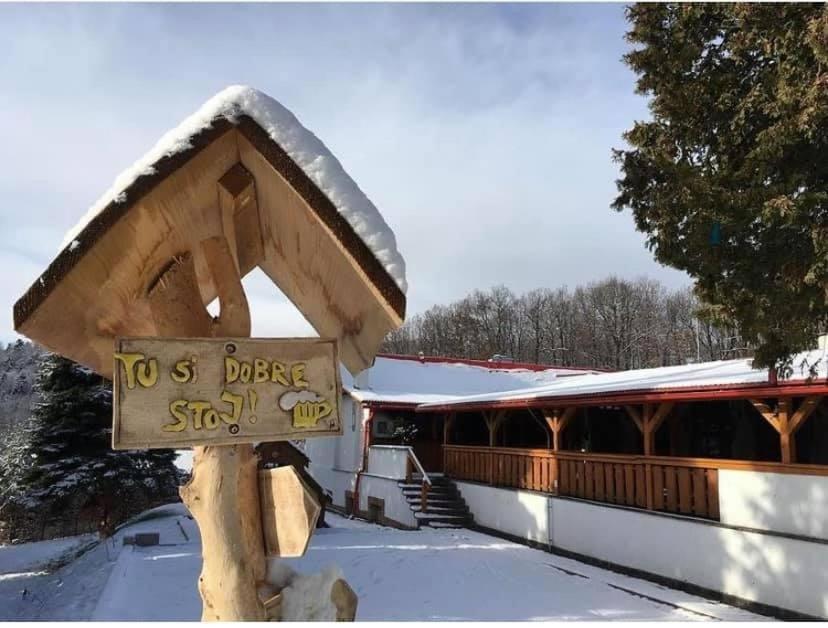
(18, 366)
(398, 575)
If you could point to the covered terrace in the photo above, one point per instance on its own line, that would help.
(653, 439)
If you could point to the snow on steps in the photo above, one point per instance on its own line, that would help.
(445, 507)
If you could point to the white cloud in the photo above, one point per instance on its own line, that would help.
(481, 132)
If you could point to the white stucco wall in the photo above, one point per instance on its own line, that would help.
(344, 452)
(388, 461)
(797, 504)
(521, 513)
(334, 482)
(396, 506)
(759, 567)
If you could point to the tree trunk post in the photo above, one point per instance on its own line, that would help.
(223, 493)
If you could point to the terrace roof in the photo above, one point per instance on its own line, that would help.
(720, 379)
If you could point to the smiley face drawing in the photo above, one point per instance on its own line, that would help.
(307, 406)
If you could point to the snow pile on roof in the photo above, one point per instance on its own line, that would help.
(309, 153)
(408, 380)
(705, 374)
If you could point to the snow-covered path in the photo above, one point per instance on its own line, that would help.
(398, 575)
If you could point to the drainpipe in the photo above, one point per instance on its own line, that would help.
(367, 424)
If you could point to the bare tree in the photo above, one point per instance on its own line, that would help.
(613, 324)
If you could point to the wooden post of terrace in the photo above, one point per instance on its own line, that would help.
(127, 297)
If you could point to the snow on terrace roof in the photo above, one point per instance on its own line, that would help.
(303, 147)
(705, 375)
(410, 380)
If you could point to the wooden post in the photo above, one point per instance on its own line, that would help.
(447, 423)
(493, 420)
(787, 423)
(648, 420)
(557, 420)
(223, 493)
(424, 497)
(648, 451)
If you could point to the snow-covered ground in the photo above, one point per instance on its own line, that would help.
(398, 575)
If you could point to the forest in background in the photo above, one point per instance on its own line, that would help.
(612, 324)
(18, 369)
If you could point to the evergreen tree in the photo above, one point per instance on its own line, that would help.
(61, 462)
(729, 178)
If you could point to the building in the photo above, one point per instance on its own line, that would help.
(714, 475)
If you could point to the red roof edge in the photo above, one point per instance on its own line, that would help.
(712, 392)
(504, 366)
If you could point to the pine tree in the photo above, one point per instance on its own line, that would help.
(729, 178)
(61, 461)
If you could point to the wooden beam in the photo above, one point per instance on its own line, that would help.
(493, 421)
(646, 421)
(635, 415)
(557, 420)
(787, 444)
(234, 316)
(488, 417)
(566, 416)
(658, 417)
(175, 301)
(240, 218)
(809, 404)
(447, 423)
(766, 412)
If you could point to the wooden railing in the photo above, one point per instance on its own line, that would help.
(677, 485)
(411, 462)
(530, 469)
(686, 486)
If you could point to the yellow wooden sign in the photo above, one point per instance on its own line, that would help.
(179, 392)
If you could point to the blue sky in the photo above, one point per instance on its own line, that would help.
(483, 133)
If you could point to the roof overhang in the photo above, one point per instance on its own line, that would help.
(235, 180)
(701, 393)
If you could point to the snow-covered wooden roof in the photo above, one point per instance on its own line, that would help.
(292, 210)
(699, 380)
(409, 380)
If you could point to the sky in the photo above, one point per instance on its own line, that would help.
(483, 133)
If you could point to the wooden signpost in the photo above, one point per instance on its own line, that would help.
(289, 510)
(174, 392)
(127, 297)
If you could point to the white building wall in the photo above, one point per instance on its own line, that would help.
(752, 565)
(773, 570)
(335, 483)
(388, 461)
(340, 452)
(395, 504)
(520, 513)
(335, 460)
(796, 504)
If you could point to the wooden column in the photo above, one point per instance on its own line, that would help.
(557, 419)
(447, 423)
(648, 420)
(223, 493)
(493, 420)
(786, 422)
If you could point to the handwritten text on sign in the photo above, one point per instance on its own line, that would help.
(178, 392)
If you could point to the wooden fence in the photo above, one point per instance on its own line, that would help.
(530, 469)
(677, 485)
(685, 486)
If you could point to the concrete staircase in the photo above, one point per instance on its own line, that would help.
(445, 507)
